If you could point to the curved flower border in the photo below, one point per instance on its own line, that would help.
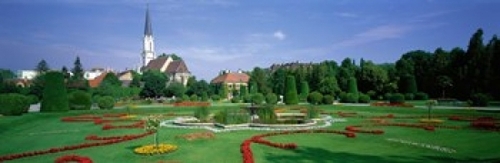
(152, 150)
(73, 158)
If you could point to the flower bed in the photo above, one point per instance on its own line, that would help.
(138, 124)
(153, 149)
(198, 135)
(191, 103)
(357, 130)
(73, 158)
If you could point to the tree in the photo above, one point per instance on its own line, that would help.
(409, 84)
(42, 67)
(278, 80)
(154, 84)
(54, 94)
(291, 97)
(65, 72)
(346, 71)
(111, 79)
(77, 81)
(243, 91)
(260, 78)
(304, 90)
(271, 98)
(371, 77)
(328, 86)
(77, 69)
(353, 86)
(444, 82)
(175, 89)
(315, 98)
(136, 80)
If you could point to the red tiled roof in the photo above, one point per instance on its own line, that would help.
(231, 78)
(97, 81)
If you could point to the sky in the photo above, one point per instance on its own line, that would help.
(215, 35)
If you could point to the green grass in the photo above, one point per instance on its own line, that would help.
(37, 131)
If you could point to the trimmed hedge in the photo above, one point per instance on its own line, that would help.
(480, 99)
(349, 98)
(363, 98)
(235, 100)
(314, 98)
(13, 104)
(409, 96)
(106, 102)
(291, 97)
(271, 98)
(257, 98)
(80, 100)
(397, 98)
(421, 96)
(55, 98)
(328, 99)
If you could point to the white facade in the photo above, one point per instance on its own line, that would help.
(90, 75)
(148, 52)
(26, 74)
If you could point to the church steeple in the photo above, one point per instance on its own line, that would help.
(147, 28)
(148, 52)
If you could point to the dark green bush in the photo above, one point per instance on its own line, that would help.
(372, 94)
(271, 99)
(409, 96)
(13, 104)
(349, 98)
(79, 100)
(232, 116)
(106, 102)
(235, 99)
(266, 115)
(291, 97)
(421, 96)
(257, 98)
(363, 98)
(397, 98)
(480, 99)
(387, 96)
(33, 99)
(215, 97)
(204, 96)
(55, 98)
(193, 97)
(247, 98)
(313, 112)
(314, 98)
(328, 99)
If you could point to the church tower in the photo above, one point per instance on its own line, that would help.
(148, 52)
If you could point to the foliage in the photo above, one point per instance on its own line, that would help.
(313, 112)
(397, 98)
(364, 98)
(235, 99)
(480, 99)
(154, 83)
(185, 97)
(304, 91)
(106, 102)
(232, 116)
(348, 98)
(353, 86)
(175, 89)
(215, 97)
(13, 104)
(315, 98)
(247, 99)
(54, 94)
(409, 96)
(329, 86)
(111, 79)
(223, 92)
(259, 78)
(77, 70)
(278, 80)
(42, 66)
(271, 99)
(266, 115)
(243, 91)
(193, 97)
(136, 80)
(79, 100)
(421, 96)
(204, 96)
(328, 99)
(258, 98)
(202, 113)
(290, 96)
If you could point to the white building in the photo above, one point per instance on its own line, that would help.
(26, 74)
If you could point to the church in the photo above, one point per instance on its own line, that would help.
(175, 69)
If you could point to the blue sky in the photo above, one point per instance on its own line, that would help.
(211, 35)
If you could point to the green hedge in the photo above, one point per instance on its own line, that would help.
(421, 96)
(257, 98)
(409, 96)
(480, 99)
(55, 98)
(80, 100)
(271, 98)
(106, 102)
(349, 98)
(314, 98)
(397, 98)
(13, 104)
(364, 98)
(328, 99)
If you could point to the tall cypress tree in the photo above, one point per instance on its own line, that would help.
(353, 86)
(55, 98)
(291, 97)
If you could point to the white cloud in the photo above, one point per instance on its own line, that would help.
(347, 15)
(376, 34)
(279, 35)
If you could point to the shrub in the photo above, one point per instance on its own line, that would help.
(266, 115)
(271, 99)
(247, 98)
(215, 97)
(33, 99)
(387, 96)
(313, 112)
(409, 96)
(257, 98)
(231, 116)
(372, 94)
(235, 99)
(204, 96)
(13, 104)
(185, 97)
(397, 98)
(55, 97)
(328, 99)
(79, 100)
(480, 99)
(363, 98)
(421, 96)
(106, 102)
(193, 97)
(353, 85)
(349, 98)
(314, 98)
(291, 97)
(202, 113)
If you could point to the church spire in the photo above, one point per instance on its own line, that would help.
(147, 28)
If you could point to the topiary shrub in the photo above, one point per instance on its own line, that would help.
(235, 99)
(257, 98)
(314, 98)
(409, 96)
(13, 104)
(421, 96)
(55, 98)
(397, 98)
(80, 100)
(106, 102)
(328, 99)
(349, 98)
(363, 98)
(291, 97)
(271, 99)
(480, 99)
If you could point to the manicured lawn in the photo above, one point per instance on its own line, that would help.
(40, 131)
